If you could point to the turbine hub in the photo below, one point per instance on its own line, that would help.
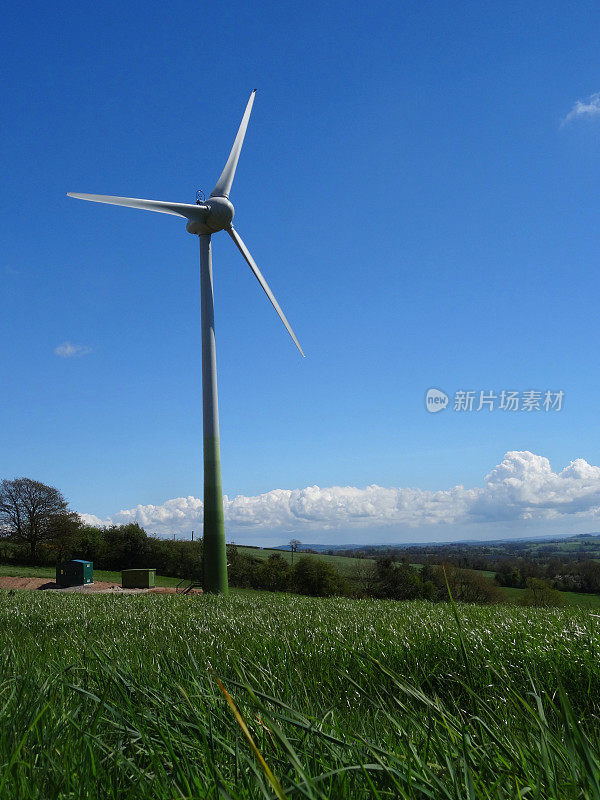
(220, 213)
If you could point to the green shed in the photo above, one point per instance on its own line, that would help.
(74, 573)
(138, 578)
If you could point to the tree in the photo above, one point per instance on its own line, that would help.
(32, 513)
(467, 586)
(66, 539)
(273, 574)
(294, 545)
(540, 593)
(315, 577)
(126, 546)
(366, 576)
(242, 569)
(397, 580)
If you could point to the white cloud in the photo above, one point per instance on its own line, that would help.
(92, 519)
(69, 350)
(522, 487)
(582, 109)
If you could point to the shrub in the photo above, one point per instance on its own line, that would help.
(540, 593)
(398, 581)
(315, 577)
(467, 586)
(274, 574)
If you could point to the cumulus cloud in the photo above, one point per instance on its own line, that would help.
(69, 350)
(584, 109)
(522, 487)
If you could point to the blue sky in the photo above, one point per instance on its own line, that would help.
(413, 194)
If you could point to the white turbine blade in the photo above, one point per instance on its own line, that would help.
(246, 253)
(223, 186)
(186, 210)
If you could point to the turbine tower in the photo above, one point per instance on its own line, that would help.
(204, 218)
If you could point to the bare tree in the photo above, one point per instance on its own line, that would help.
(32, 513)
(294, 545)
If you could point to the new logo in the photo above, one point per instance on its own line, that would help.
(435, 400)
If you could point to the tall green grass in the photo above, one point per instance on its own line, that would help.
(120, 697)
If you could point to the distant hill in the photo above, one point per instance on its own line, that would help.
(554, 538)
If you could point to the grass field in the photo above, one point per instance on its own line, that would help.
(344, 565)
(575, 599)
(119, 697)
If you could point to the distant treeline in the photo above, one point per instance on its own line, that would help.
(571, 565)
(382, 578)
(128, 546)
(570, 576)
(577, 548)
(116, 548)
(37, 527)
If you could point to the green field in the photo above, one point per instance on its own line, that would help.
(575, 599)
(487, 573)
(117, 697)
(344, 565)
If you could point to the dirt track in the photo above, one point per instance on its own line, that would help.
(103, 587)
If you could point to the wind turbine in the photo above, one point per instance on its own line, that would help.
(203, 219)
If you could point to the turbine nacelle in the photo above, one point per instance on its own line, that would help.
(215, 214)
